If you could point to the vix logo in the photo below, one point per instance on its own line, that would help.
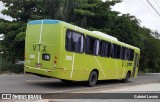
(40, 47)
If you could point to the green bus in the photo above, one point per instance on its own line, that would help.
(57, 49)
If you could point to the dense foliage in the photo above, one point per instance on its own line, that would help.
(89, 14)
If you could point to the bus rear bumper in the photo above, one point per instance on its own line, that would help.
(55, 73)
(59, 73)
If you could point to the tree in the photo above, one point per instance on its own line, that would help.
(24, 10)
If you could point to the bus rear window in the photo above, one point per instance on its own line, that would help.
(74, 41)
(45, 56)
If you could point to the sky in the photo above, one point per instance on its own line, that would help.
(140, 8)
(143, 11)
(3, 16)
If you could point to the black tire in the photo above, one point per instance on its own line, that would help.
(126, 78)
(93, 79)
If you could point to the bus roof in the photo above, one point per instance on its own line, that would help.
(105, 35)
(45, 21)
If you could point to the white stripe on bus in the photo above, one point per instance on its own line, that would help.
(41, 33)
(40, 38)
(116, 67)
(100, 66)
(72, 64)
(124, 68)
(38, 57)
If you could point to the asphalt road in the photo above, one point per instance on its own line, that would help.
(26, 83)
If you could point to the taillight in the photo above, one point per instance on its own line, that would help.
(55, 59)
(55, 62)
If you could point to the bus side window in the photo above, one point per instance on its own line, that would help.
(130, 54)
(116, 49)
(102, 48)
(92, 45)
(124, 51)
(78, 42)
(119, 52)
(69, 40)
(105, 48)
(74, 41)
(109, 50)
(125, 54)
(112, 50)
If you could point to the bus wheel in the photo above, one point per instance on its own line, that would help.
(93, 79)
(126, 78)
